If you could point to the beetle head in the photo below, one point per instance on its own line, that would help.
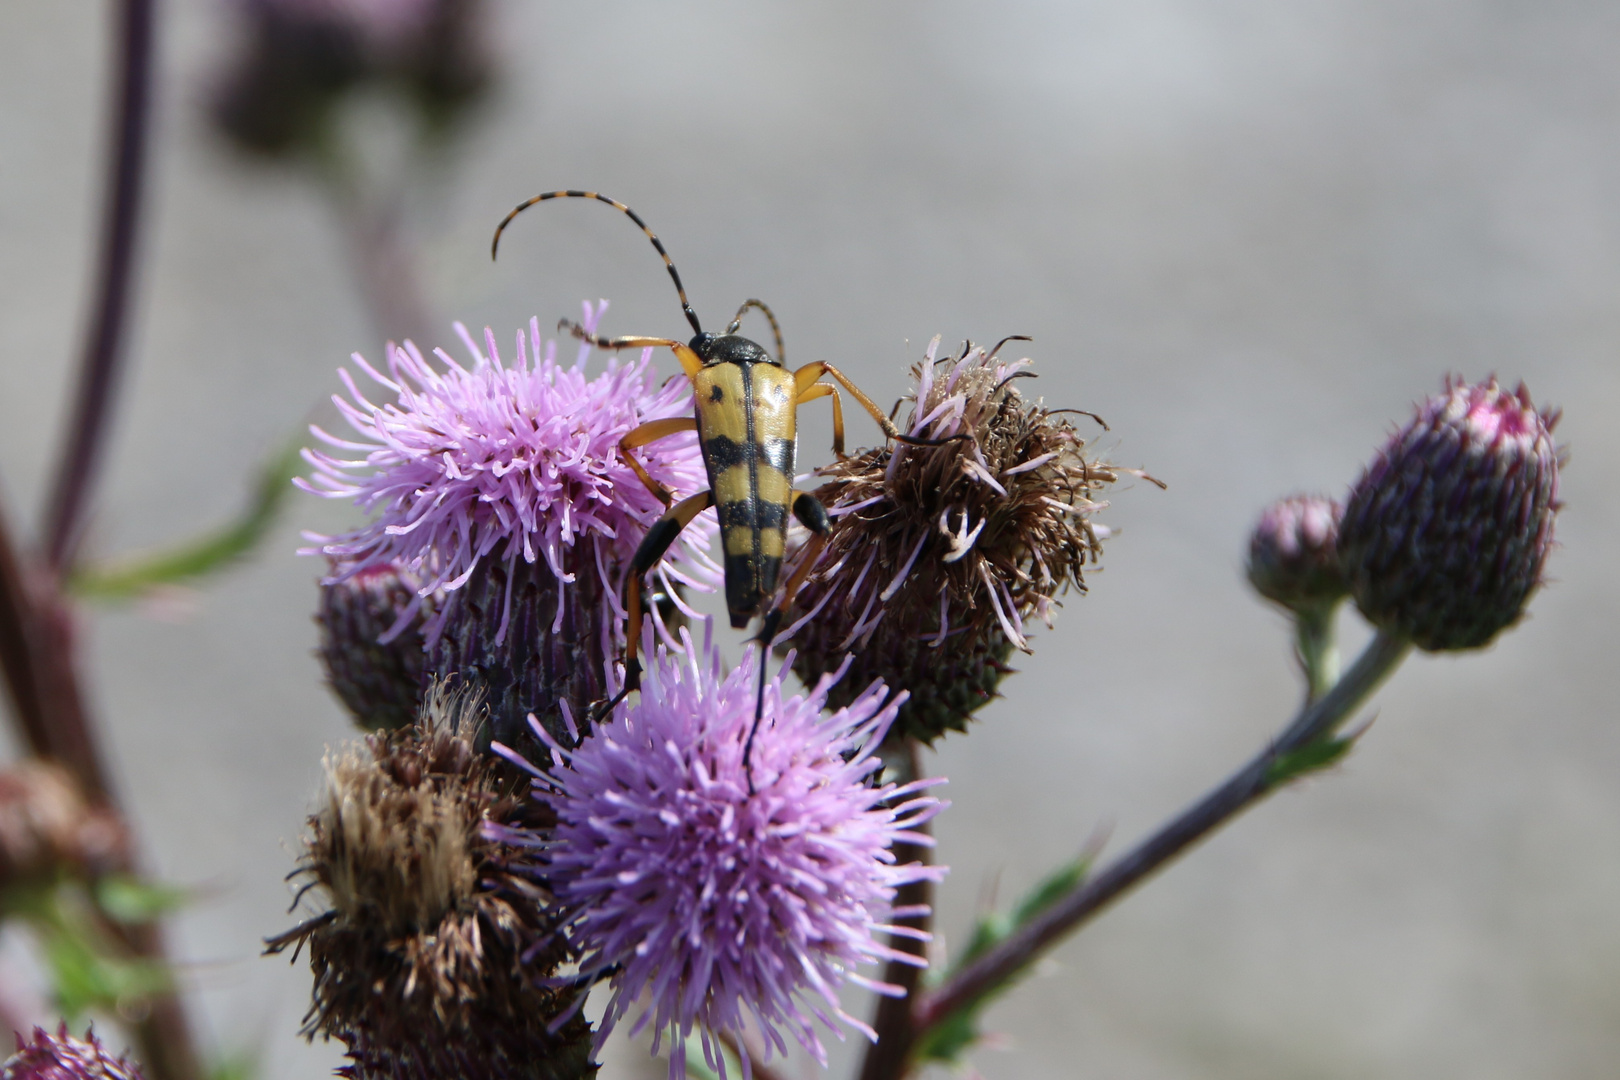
(729, 349)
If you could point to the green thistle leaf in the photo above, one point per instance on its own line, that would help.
(954, 1036)
(131, 578)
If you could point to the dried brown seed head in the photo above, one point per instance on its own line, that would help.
(939, 554)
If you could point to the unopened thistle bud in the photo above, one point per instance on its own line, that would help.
(1445, 535)
(939, 554)
(371, 644)
(62, 1057)
(434, 954)
(1293, 552)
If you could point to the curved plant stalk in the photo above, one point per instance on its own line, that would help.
(36, 626)
(1308, 743)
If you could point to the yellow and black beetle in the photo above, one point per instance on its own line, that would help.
(745, 404)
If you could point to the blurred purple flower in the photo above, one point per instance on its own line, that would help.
(62, 1057)
(382, 24)
(1445, 536)
(507, 462)
(1293, 553)
(716, 902)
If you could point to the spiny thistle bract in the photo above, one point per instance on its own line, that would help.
(63, 1057)
(433, 957)
(713, 897)
(939, 554)
(1446, 533)
(1294, 555)
(502, 490)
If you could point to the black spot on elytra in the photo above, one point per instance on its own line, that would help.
(717, 395)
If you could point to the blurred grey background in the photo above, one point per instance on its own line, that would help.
(1249, 234)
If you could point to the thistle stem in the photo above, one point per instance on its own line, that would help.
(36, 625)
(1317, 648)
(894, 1020)
(105, 347)
(381, 257)
(1315, 721)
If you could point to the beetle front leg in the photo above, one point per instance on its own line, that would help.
(821, 390)
(691, 363)
(806, 377)
(652, 431)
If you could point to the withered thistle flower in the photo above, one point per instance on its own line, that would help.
(63, 1057)
(434, 955)
(939, 555)
(1445, 535)
(1294, 555)
(374, 665)
(47, 826)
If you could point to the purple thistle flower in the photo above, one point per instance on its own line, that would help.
(62, 1057)
(716, 902)
(507, 462)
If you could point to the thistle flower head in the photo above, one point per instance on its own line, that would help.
(1445, 534)
(1293, 552)
(300, 57)
(380, 683)
(716, 895)
(63, 1057)
(383, 25)
(940, 554)
(425, 960)
(507, 462)
(48, 826)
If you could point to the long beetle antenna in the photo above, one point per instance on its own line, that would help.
(686, 306)
(736, 324)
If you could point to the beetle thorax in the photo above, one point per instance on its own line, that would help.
(730, 349)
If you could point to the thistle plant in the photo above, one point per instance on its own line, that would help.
(499, 843)
(725, 895)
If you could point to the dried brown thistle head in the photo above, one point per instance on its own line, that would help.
(939, 554)
(435, 955)
(48, 827)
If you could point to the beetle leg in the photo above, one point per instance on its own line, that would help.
(807, 376)
(821, 390)
(652, 431)
(690, 361)
(653, 545)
